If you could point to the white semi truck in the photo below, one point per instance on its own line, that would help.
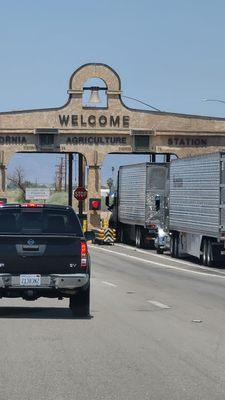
(197, 208)
(140, 207)
(180, 204)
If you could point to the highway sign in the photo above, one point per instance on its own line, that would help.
(37, 194)
(80, 193)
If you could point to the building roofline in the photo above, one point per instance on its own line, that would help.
(136, 110)
(97, 64)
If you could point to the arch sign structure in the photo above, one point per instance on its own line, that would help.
(95, 131)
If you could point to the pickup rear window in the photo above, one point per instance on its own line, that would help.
(39, 221)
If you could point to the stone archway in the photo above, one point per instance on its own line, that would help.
(96, 132)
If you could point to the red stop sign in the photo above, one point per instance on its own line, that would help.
(80, 193)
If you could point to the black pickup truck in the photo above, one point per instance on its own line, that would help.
(43, 253)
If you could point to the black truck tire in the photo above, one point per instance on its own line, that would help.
(138, 237)
(209, 259)
(172, 246)
(80, 303)
(204, 251)
(122, 236)
(176, 246)
(159, 251)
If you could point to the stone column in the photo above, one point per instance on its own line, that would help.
(2, 180)
(94, 190)
(94, 187)
(3, 161)
(5, 157)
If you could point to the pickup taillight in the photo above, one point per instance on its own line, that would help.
(83, 254)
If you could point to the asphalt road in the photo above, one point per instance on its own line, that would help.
(157, 332)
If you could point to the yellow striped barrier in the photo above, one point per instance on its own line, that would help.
(105, 236)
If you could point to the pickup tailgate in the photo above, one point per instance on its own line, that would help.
(40, 254)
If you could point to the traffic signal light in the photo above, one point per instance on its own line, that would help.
(95, 204)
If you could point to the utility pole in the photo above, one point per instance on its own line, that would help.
(70, 180)
(59, 175)
(80, 182)
(65, 173)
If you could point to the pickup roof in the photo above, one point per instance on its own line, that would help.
(43, 253)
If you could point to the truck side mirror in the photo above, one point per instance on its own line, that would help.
(157, 202)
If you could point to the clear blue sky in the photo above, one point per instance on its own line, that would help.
(170, 54)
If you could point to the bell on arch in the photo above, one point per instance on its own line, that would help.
(94, 96)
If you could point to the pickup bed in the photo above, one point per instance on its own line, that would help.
(43, 253)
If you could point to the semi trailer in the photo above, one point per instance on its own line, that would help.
(180, 205)
(197, 208)
(140, 204)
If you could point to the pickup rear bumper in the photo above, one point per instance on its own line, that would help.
(53, 281)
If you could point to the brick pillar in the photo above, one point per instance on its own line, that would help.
(2, 180)
(94, 190)
(4, 158)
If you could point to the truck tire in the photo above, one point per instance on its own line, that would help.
(159, 251)
(80, 303)
(172, 246)
(210, 262)
(176, 246)
(204, 251)
(123, 235)
(138, 237)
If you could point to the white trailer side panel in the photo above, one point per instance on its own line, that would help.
(195, 195)
(132, 194)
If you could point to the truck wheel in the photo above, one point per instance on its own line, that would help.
(172, 246)
(138, 237)
(80, 303)
(209, 260)
(122, 238)
(176, 246)
(159, 251)
(204, 252)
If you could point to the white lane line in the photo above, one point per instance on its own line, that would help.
(164, 257)
(158, 304)
(154, 263)
(109, 284)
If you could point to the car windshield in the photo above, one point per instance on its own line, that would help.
(40, 221)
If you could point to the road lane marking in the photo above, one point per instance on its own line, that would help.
(158, 304)
(164, 257)
(109, 284)
(154, 263)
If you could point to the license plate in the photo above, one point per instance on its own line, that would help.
(30, 280)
